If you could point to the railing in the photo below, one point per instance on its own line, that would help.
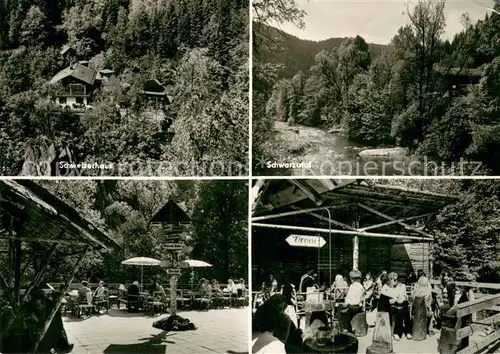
(460, 323)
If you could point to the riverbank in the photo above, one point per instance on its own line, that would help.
(330, 153)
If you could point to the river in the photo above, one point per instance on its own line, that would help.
(323, 153)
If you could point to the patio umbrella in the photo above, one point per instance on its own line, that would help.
(142, 261)
(192, 263)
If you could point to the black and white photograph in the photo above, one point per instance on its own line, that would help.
(363, 88)
(128, 266)
(124, 88)
(375, 266)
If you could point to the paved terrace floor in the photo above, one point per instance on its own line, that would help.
(219, 331)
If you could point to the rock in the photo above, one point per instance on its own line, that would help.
(174, 323)
(388, 152)
(336, 130)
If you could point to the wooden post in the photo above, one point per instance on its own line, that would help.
(38, 277)
(48, 321)
(173, 295)
(448, 342)
(355, 247)
(355, 253)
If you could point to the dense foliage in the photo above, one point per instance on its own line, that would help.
(199, 48)
(467, 241)
(410, 93)
(124, 209)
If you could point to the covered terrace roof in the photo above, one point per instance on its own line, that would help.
(355, 207)
(43, 218)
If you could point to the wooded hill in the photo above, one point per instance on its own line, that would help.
(296, 54)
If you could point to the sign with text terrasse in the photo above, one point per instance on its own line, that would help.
(306, 241)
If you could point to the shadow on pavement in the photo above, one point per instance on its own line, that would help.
(156, 344)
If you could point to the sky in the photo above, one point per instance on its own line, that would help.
(376, 21)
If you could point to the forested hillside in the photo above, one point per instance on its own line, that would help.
(199, 48)
(298, 55)
(467, 241)
(437, 97)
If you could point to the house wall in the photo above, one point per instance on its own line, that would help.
(416, 255)
(70, 101)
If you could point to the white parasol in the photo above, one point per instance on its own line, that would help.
(192, 263)
(142, 261)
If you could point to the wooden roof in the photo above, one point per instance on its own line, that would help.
(171, 213)
(41, 217)
(351, 202)
(77, 71)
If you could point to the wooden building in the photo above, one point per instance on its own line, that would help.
(171, 222)
(39, 230)
(78, 83)
(156, 94)
(366, 226)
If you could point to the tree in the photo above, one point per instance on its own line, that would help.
(220, 234)
(34, 28)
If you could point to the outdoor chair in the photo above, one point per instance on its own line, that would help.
(242, 300)
(184, 300)
(217, 300)
(113, 298)
(102, 302)
(203, 301)
(227, 299)
(156, 302)
(85, 305)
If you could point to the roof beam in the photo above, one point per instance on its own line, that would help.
(340, 232)
(296, 211)
(309, 191)
(335, 222)
(390, 218)
(291, 195)
(258, 191)
(387, 223)
(44, 240)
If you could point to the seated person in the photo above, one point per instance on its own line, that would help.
(266, 324)
(133, 297)
(83, 291)
(339, 287)
(157, 291)
(353, 301)
(101, 291)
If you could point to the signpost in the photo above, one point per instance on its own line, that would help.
(174, 271)
(305, 241)
(176, 250)
(175, 246)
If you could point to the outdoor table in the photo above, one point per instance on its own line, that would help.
(345, 343)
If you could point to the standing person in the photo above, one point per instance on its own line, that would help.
(353, 301)
(401, 308)
(387, 296)
(451, 289)
(422, 293)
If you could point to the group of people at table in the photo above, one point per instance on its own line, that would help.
(275, 323)
(136, 296)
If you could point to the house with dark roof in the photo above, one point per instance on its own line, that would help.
(156, 94)
(78, 82)
(171, 222)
